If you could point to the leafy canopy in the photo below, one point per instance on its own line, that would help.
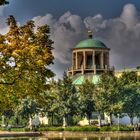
(3, 2)
(25, 54)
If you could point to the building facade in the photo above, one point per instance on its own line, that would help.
(90, 58)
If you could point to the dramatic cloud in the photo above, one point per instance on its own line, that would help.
(65, 32)
(121, 35)
(3, 26)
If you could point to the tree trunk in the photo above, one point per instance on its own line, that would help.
(89, 117)
(64, 121)
(131, 118)
(30, 123)
(99, 120)
(52, 118)
(17, 121)
(110, 117)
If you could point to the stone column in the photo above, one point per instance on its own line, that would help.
(76, 59)
(94, 63)
(107, 60)
(73, 60)
(84, 57)
(102, 60)
(84, 62)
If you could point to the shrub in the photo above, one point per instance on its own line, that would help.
(82, 128)
(26, 129)
(2, 129)
(42, 129)
(17, 129)
(116, 128)
(126, 128)
(54, 129)
(105, 128)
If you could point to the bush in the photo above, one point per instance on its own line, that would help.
(82, 128)
(42, 129)
(2, 129)
(116, 128)
(105, 128)
(126, 128)
(54, 129)
(26, 129)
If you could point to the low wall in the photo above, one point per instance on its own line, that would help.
(20, 134)
(90, 134)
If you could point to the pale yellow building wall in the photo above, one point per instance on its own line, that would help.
(118, 74)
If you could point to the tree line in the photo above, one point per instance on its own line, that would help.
(25, 57)
(111, 95)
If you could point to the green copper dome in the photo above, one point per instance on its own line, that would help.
(90, 43)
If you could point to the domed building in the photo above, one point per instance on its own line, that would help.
(90, 58)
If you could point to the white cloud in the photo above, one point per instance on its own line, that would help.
(129, 15)
(121, 34)
(65, 32)
(3, 26)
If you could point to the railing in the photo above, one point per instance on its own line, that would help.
(97, 67)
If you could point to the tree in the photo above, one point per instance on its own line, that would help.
(25, 55)
(3, 2)
(68, 98)
(131, 94)
(28, 108)
(86, 91)
(108, 98)
(49, 100)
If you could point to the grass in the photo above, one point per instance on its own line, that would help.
(116, 128)
(82, 128)
(75, 128)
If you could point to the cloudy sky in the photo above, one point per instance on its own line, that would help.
(115, 22)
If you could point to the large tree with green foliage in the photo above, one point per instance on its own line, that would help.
(87, 106)
(131, 87)
(68, 98)
(49, 101)
(28, 108)
(108, 96)
(25, 54)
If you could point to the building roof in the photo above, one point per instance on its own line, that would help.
(79, 79)
(90, 43)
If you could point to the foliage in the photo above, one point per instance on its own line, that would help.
(129, 78)
(55, 129)
(108, 97)
(82, 128)
(28, 108)
(68, 97)
(49, 101)
(131, 94)
(25, 54)
(3, 2)
(116, 128)
(86, 91)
